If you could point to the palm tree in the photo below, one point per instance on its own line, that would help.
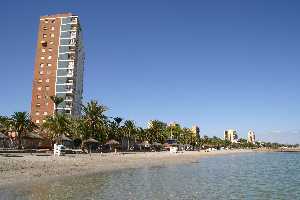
(56, 100)
(129, 131)
(21, 123)
(56, 125)
(77, 128)
(95, 120)
(158, 131)
(118, 121)
(5, 124)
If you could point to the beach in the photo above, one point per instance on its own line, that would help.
(34, 167)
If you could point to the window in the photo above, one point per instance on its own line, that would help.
(49, 57)
(42, 57)
(52, 28)
(37, 113)
(37, 121)
(51, 42)
(38, 96)
(39, 88)
(38, 105)
(41, 65)
(47, 88)
(50, 50)
(40, 81)
(53, 21)
(41, 72)
(44, 35)
(44, 121)
(46, 21)
(45, 113)
(43, 50)
(52, 35)
(49, 64)
(45, 28)
(44, 44)
(47, 80)
(46, 103)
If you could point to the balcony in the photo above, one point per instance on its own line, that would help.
(73, 27)
(74, 19)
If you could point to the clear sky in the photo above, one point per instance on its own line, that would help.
(217, 64)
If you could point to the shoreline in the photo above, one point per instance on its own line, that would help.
(34, 168)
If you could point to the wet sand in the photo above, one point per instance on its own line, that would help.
(31, 167)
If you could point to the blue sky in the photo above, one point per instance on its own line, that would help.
(218, 64)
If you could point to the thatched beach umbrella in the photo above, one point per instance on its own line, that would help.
(63, 137)
(89, 142)
(112, 142)
(33, 137)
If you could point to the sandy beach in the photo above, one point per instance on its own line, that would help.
(32, 167)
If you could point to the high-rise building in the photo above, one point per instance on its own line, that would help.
(231, 135)
(196, 130)
(58, 69)
(251, 137)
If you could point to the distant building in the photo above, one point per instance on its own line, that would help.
(196, 130)
(58, 69)
(173, 124)
(251, 137)
(231, 135)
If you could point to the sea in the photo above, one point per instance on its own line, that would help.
(235, 176)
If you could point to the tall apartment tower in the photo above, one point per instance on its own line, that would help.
(231, 135)
(251, 137)
(58, 69)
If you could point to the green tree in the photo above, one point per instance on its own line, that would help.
(114, 126)
(141, 135)
(95, 120)
(77, 128)
(158, 131)
(56, 100)
(21, 124)
(129, 131)
(5, 124)
(56, 125)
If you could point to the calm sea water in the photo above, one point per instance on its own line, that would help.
(240, 176)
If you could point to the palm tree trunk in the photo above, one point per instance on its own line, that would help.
(127, 143)
(19, 142)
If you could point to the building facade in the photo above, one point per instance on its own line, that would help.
(231, 135)
(196, 130)
(58, 69)
(251, 137)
